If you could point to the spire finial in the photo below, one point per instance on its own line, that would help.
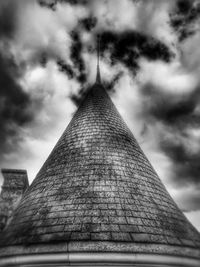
(98, 77)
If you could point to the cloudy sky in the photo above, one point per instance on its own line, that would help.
(150, 64)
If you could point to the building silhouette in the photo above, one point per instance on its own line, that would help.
(98, 201)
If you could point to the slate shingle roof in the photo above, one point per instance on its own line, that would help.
(98, 186)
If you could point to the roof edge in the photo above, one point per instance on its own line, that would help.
(22, 171)
(82, 259)
(93, 247)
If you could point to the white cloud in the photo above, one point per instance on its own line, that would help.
(191, 199)
(190, 55)
(194, 218)
(41, 29)
(168, 77)
(115, 14)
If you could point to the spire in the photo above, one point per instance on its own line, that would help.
(98, 77)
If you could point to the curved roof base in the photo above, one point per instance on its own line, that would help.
(98, 259)
(98, 254)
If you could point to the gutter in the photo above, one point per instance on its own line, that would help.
(98, 259)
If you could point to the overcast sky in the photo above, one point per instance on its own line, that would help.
(150, 65)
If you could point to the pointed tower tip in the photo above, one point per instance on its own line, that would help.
(98, 77)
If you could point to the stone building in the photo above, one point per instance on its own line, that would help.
(98, 201)
(14, 185)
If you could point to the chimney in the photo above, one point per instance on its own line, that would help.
(14, 185)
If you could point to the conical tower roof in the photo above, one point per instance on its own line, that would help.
(98, 197)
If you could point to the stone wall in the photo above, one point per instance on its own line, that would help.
(14, 185)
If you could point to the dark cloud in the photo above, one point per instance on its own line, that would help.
(52, 3)
(183, 18)
(186, 167)
(75, 2)
(128, 46)
(66, 68)
(8, 17)
(174, 110)
(88, 23)
(48, 3)
(78, 70)
(76, 56)
(176, 115)
(14, 104)
(110, 85)
(125, 48)
(78, 98)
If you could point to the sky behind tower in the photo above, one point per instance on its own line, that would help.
(150, 65)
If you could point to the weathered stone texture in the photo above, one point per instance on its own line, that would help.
(97, 185)
(14, 185)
